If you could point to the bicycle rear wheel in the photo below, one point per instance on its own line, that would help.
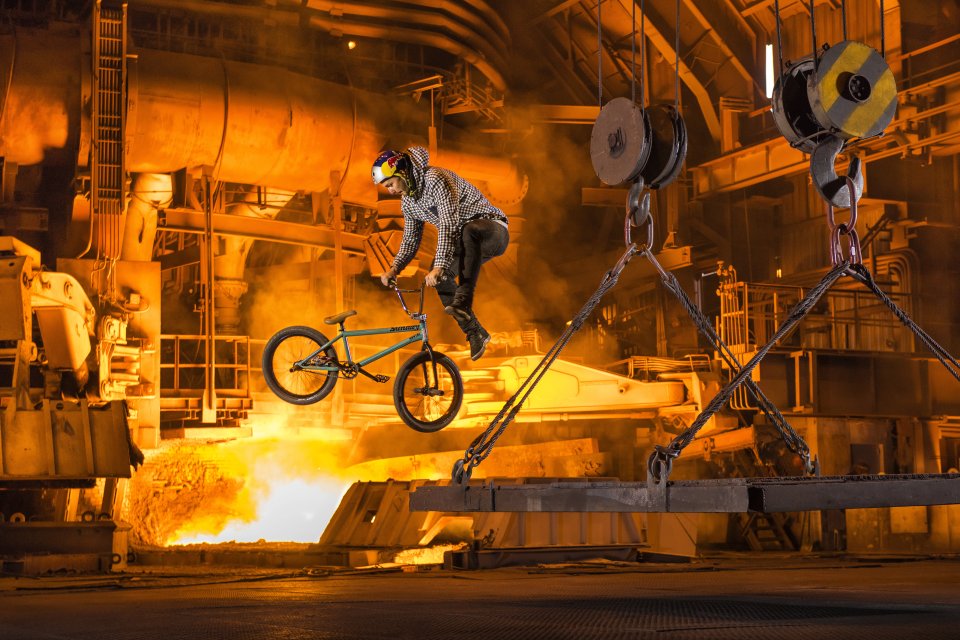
(291, 383)
(428, 391)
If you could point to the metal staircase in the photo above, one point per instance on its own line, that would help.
(775, 531)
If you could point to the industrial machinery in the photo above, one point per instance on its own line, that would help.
(190, 173)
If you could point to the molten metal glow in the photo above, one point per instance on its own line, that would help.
(280, 487)
(429, 555)
(290, 511)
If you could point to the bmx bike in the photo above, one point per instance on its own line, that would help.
(301, 366)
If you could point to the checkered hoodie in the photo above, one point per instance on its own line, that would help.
(445, 200)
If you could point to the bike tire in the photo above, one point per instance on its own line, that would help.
(297, 387)
(428, 414)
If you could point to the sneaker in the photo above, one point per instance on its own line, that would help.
(478, 340)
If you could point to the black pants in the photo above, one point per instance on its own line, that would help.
(480, 240)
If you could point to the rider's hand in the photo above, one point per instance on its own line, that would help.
(434, 277)
(387, 276)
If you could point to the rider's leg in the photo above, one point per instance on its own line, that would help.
(481, 240)
(476, 335)
(447, 290)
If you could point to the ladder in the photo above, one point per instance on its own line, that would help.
(109, 105)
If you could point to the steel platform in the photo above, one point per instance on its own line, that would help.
(733, 495)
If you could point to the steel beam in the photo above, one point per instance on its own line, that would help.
(564, 114)
(733, 495)
(191, 221)
(657, 34)
(776, 158)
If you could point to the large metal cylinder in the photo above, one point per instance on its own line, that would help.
(40, 80)
(254, 124)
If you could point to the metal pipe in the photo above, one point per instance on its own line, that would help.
(261, 125)
(149, 193)
(340, 25)
(424, 16)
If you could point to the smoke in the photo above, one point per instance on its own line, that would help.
(554, 274)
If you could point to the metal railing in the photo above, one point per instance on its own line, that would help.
(183, 364)
(843, 320)
(649, 367)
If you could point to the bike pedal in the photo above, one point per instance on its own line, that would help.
(381, 378)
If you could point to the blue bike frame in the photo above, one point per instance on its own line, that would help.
(419, 331)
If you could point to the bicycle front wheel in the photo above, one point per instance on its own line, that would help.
(428, 391)
(290, 382)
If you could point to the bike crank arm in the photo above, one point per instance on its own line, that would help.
(376, 378)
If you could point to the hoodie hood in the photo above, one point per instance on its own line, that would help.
(419, 159)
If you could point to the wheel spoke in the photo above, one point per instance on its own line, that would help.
(425, 406)
(297, 382)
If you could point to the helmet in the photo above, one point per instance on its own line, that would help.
(388, 164)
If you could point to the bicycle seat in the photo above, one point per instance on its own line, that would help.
(340, 317)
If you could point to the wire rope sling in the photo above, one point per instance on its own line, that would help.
(628, 142)
(841, 94)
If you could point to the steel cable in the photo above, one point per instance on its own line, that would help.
(668, 453)
(483, 444)
(793, 440)
(862, 274)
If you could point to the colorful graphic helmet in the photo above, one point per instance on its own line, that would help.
(388, 164)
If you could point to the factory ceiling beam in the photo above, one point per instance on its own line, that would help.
(191, 221)
(889, 5)
(564, 114)
(434, 16)
(655, 29)
(617, 28)
(575, 70)
(775, 158)
(486, 59)
(731, 34)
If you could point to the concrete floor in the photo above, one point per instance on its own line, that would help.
(762, 596)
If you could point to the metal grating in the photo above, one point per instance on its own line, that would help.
(498, 605)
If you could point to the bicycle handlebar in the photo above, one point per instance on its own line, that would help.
(392, 284)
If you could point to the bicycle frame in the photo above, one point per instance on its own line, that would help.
(419, 331)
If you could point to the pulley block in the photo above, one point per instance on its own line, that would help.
(852, 91)
(620, 141)
(669, 146)
(791, 107)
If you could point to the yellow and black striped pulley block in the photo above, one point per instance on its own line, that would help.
(620, 141)
(852, 91)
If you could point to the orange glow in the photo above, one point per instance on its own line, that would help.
(280, 487)
(429, 555)
(291, 511)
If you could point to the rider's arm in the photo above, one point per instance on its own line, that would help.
(448, 211)
(412, 235)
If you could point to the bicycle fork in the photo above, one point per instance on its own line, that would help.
(428, 389)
